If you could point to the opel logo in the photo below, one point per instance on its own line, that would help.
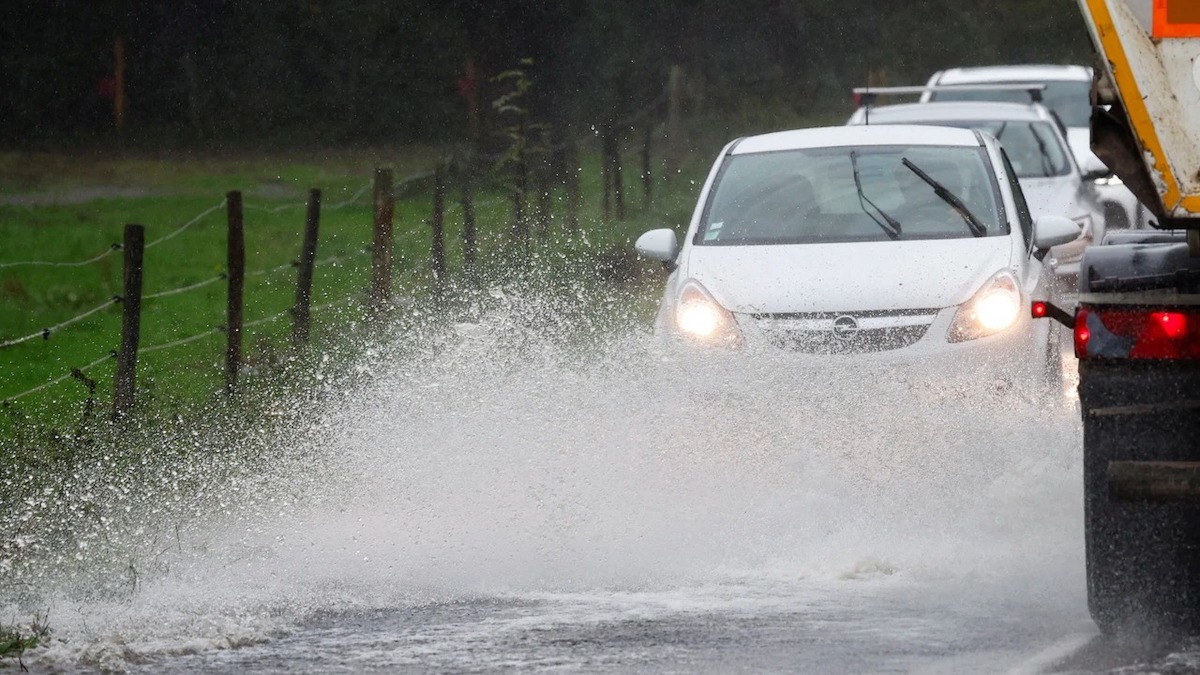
(845, 327)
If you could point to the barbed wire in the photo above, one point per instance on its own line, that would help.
(272, 270)
(182, 341)
(268, 319)
(337, 260)
(112, 248)
(51, 383)
(45, 333)
(185, 289)
(337, 206)
(290, 311)
(185, 226)
(299, 205)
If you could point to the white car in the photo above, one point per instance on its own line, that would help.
(1044, 165)
(1067, 94)
(909, 240)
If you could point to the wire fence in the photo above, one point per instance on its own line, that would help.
(185, 289)
(407, 237)
(63, 378)
(113, 248)
(179, 230)
(47, 332)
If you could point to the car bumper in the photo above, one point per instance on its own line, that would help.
(1010, 355)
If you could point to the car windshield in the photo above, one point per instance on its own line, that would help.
(1035, 149)
(1067, 98)
(812, 196)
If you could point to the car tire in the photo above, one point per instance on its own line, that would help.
(1052, 375)
(1143, 558)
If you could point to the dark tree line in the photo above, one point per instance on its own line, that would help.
(304, 71)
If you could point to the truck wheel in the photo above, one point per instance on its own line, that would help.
(1143, 557)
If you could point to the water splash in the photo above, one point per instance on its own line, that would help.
(517, 455)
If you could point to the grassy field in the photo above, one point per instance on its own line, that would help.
(65, 209)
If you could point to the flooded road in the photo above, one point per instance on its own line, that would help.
(509, 503)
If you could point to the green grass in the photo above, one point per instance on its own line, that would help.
(15, 640)
(58, 209)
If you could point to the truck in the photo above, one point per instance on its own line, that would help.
(1136, 323)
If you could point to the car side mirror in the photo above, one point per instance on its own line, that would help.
(1051, 231)
(659, 244)
(1093, 169)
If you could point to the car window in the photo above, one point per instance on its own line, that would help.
(1035, 148)
(1067, 98)
(810, 196)
(1024, 218)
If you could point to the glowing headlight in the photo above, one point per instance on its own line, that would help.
(995, 307)
(699, 316)
(997, 310)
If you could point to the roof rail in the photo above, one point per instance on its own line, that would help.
(866, 95)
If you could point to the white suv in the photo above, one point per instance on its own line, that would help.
(1066, 94)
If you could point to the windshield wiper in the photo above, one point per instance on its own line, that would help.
(892, 226)
(977, 228)
(1047, 160)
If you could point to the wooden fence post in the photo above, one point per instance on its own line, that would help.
(574, 191)
(437, 249)
(543, 197)
(520, 224)
(304, 279)
(606, 172)
(381, 252)
(614, 157)
(647, 179)
(236, 248)
(468, 229)
(674, 143)
(125, 382)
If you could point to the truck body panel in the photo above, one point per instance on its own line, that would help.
(1152, 84)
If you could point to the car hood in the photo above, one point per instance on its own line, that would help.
(850, 277)
(1056, 196)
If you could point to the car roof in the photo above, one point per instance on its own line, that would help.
(829, 137)
(957, 110)
(1017, 73)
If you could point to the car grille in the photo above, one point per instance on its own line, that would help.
(845, 333)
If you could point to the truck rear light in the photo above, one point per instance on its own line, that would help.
(1082, 334)
(1037, 309)
(1136, 334)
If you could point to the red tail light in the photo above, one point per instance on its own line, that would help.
(1137, 334)
(1082, 334)
(1038, 309)
(1173, 324)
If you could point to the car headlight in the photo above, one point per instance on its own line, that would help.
(700, 317)
(1110, 179)
(995, 307)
